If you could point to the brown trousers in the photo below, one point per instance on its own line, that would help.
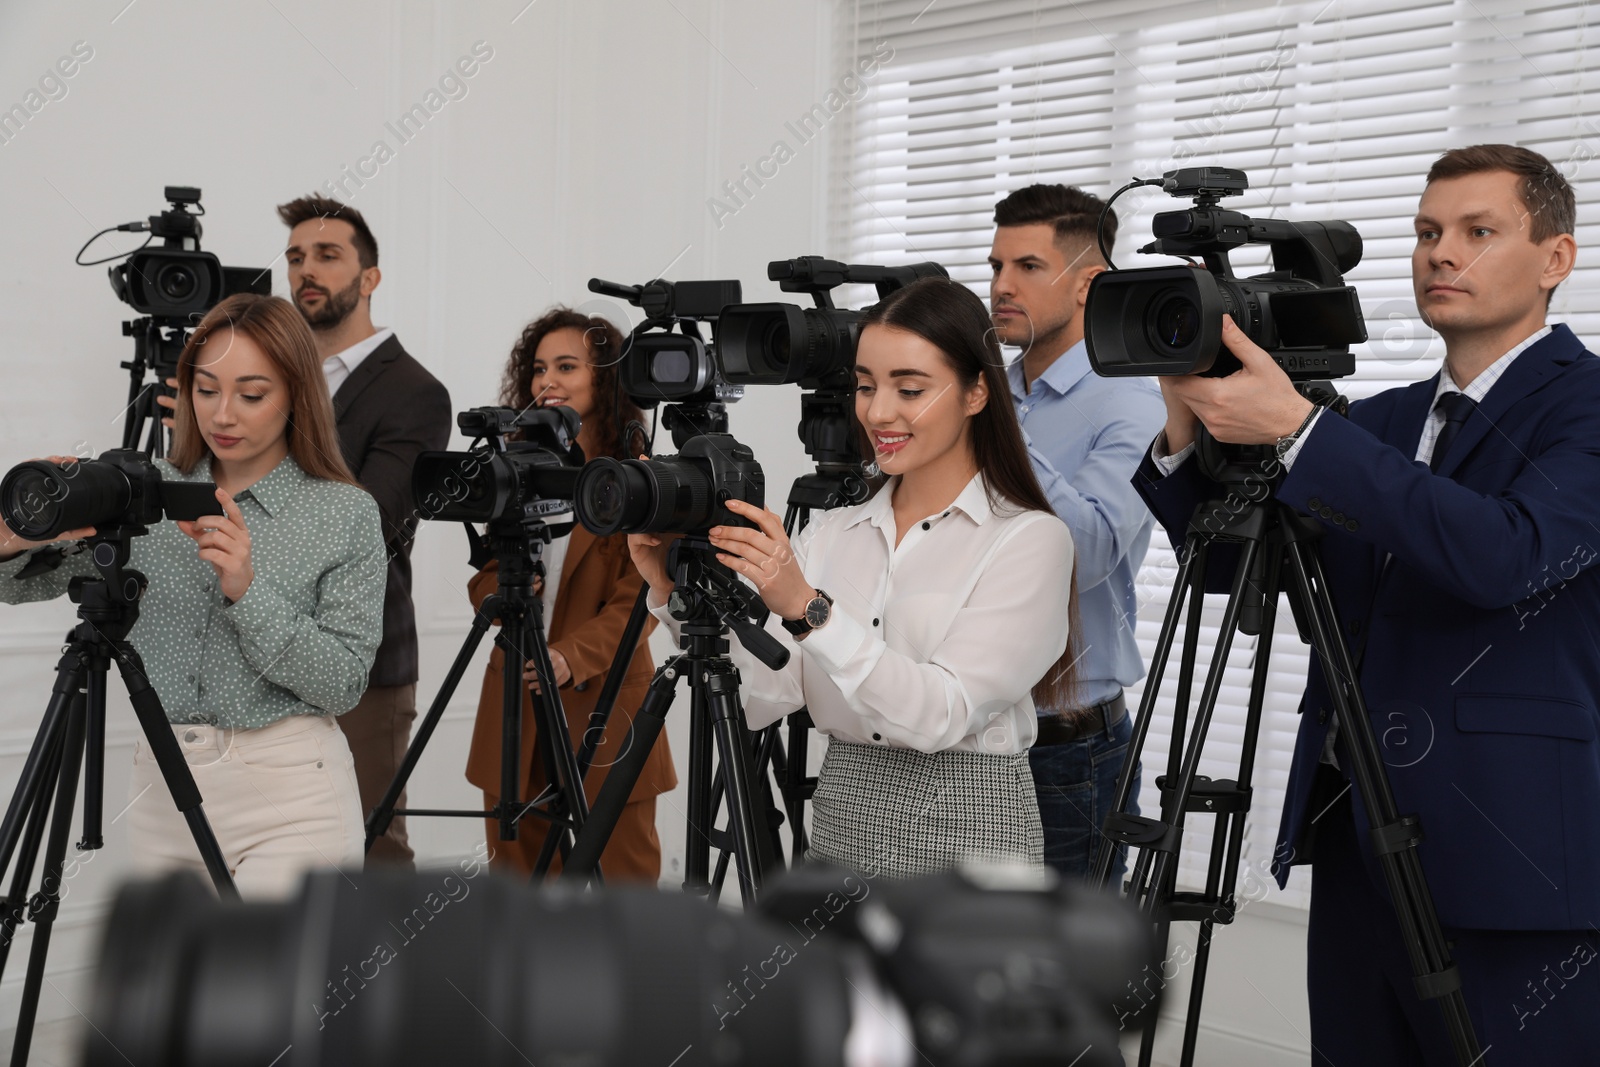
(632, 855)
(379, 731)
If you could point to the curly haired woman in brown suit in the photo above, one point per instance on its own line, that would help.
(565, 358)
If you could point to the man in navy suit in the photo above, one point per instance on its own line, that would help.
(1462, 519)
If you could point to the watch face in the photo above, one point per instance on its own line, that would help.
(817, 612)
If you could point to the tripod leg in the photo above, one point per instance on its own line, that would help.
(697, 840)
(174, 768)
(727, 721)
(94, 767)
(584, 858)
(44, 907)
(511, 645)
(13, 907)
(1393, 837)
(67, 690)
(795, 774)
(620, 663)
(1191, 564)
(382, 815)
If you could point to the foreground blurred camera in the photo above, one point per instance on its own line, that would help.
(780, 344)
(499, 479)
(456, 967)
(686, 493)
(1168, 320)
(40, 500)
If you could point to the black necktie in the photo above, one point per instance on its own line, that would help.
(1457, 409)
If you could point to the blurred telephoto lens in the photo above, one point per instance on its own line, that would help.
(40, 500)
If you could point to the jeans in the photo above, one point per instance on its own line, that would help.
(1077, 786)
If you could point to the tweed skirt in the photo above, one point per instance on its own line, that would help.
(897, 813)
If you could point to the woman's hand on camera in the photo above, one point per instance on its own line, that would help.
(765, 557)
(11, 545)
(224, 542)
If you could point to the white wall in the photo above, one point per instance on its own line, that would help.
(587, 145)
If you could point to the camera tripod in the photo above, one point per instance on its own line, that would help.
(157, 344)
(72, 735)
(710, 600)
(516, 543)
(1273, 542)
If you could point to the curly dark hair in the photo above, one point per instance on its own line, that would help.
(613, 409)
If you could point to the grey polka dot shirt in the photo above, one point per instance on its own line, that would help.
(302, 638)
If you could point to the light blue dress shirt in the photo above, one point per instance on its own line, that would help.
(1086, 436)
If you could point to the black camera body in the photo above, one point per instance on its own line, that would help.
(815, 348)
(1168, 320)
(177, 282)
(40, 500)
(683, 494)
(499, 480)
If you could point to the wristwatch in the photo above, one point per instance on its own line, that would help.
(1280, 448)
(819, 609)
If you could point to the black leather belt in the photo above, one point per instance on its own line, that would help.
(1064, 729)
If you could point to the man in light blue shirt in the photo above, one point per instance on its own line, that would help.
(1086, 435)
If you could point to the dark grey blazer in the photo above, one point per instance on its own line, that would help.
(389, 410)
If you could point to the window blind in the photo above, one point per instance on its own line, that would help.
(1335, 109)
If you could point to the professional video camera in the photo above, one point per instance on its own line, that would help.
(658, 364)
(122, 489)
(453, 967)
(496, 479)
(685, 493)
(1168, 320)
(778, 344)
(178, 281)
(172, 286)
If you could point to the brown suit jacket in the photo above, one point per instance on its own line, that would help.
(596, 595)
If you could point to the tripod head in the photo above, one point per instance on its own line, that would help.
(710, 600)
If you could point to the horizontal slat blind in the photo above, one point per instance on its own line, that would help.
(1335, 110)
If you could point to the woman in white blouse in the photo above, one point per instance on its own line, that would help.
(923, 623)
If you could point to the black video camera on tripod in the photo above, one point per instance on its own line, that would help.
(1168, 321)
(513, 487)
(172, 287)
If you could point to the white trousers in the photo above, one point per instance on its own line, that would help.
(281, 800)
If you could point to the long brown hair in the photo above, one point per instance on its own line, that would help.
(613, 409)
(950, 316)
(280, 332)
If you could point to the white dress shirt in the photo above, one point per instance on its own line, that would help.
(935, 644)
(339, 366)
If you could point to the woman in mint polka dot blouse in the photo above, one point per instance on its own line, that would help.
(261, 621)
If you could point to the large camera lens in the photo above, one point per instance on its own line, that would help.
(668, 495)
(176, 282)
(1175, 323)
(40, 500)
(614, 496)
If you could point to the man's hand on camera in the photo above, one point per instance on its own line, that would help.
(224, 542)
(1255, 405)
(170, 403)
(765, 557)
(12, 546)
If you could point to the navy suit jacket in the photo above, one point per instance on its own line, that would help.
(1480, 639)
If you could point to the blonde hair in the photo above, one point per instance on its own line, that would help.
(280, 332)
